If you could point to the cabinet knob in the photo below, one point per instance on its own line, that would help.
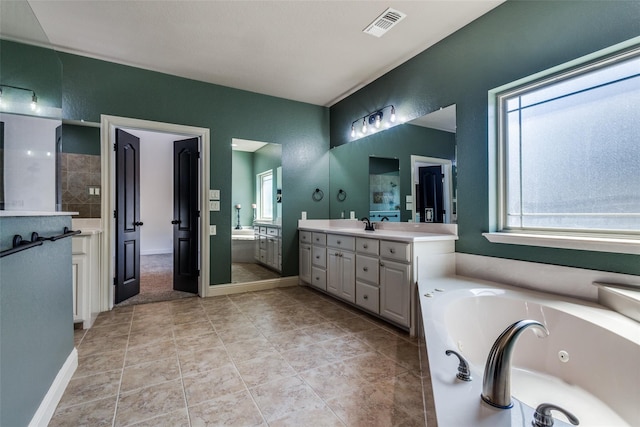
(317, 278)
(365, 297)
(338, 242)
(365, 268)
(365, 246)
(393, 251)
(337, 254)
(381, 264)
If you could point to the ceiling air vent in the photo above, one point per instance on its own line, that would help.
(384, 22)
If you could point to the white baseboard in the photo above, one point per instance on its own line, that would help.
(48, 405)
(261, 285)
(557, 279)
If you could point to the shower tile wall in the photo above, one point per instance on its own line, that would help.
(79, 173)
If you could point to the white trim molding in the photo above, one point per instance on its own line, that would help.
(50, 401)
(108, 124)
(261, 285)
(621, 244)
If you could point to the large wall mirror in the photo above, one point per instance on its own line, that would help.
(30, 113)
(405, 173)
(256, 211)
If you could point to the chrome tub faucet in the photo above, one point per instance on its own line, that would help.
(496, 384)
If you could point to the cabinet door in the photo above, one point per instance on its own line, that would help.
(334, 272)
(348, 291)
(305, 263)
(394, 291)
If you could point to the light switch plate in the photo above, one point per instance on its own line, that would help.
(212, 230)
(214, 205)
(214, 194)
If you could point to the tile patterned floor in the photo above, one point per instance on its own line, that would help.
(282, 357)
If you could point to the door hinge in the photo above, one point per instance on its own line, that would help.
(198, 273)
(115, 281)
(115, 147)
(115, 214)
(198, 155)
(198, 214)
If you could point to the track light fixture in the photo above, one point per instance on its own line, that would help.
(376, 119)
(34, 98)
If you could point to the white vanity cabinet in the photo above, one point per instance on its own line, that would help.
(341, 266)
(85, 261)
(304, 267)
(269, 246)
(368, 274)
(376, 271)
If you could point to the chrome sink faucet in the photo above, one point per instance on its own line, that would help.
(496, 384)
(367, 226)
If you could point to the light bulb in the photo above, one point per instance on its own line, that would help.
(378, 120)
(353, 131)
(364, 126)
(393, 114)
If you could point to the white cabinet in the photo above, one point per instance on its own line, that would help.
(85, 262)
(304, 272)
(377, 273)
(269, 246)
(341, 274)
(395, 285)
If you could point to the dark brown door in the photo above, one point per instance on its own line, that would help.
(185, 215)
(127, 280)
(430, 203)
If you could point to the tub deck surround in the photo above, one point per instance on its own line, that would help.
(375, 270)
(587, 365)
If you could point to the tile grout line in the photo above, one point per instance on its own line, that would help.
(184, 391)
(124, 361)
(233, 363)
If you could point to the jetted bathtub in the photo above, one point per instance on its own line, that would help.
(589, 364)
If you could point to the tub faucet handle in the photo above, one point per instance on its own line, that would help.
(464, 374)
(542, 417)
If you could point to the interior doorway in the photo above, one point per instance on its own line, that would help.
(432, 190)
(157, 221)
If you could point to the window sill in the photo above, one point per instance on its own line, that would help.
(585, 243)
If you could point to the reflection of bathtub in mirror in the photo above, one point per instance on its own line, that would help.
(243, 245)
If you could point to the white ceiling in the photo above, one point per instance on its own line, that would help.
(309, 51)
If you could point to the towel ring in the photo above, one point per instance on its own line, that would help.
(317, 195)
(342, 195)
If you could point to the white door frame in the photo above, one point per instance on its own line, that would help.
(447, 187)
(108, 125)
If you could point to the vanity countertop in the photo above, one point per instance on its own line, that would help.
(404, 232)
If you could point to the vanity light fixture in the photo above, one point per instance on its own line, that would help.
(34, 98)
(375, 119)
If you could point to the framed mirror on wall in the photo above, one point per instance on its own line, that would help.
(357, 188)
(256, 235)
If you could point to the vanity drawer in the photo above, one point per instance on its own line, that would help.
(368, 297)
(398, 251)
(263, 230)
(367, 246)
(319, 239)
(367, 269)
(319, 278)
(348, 243)
(319, 255)
(305, 237)
(272, 231)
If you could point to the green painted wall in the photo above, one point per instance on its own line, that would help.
(515, 40)
(33, 68)
(244, 187)
(36, 315)
(350, 164)
(93, 87)
(80, 139)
